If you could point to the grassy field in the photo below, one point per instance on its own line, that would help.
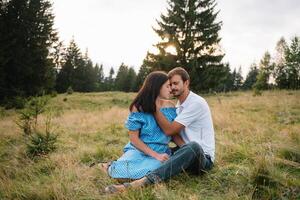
(257, 150)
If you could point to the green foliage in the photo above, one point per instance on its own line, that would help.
(262, 79)
(191, 28)
(125, 79)
(78, 71)
(141, 76)
(257, 92)
(287, 64)
(41, 144)
(26, 38)
(17, 102)
(28, 117)
(251, 77)
(38, 142)
(70, 90)
(237, 79)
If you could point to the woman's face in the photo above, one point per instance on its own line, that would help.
(165, 90)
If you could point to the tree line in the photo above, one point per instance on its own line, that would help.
(33, 61)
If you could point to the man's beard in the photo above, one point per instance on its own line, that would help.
(177, 93)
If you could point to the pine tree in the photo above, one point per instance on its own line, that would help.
(292, 57)
(141, 76)
(251, 77)
(121, 83)
(72, 60)
(265, 68)
(280, 71)
(238, 79)
(227, 80)
(26, 38)
(130, 80)
(99, 77)
(190, 27)
(110, 81)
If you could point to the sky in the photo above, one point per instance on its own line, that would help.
(116, 31)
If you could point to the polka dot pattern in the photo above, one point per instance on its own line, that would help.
(134, 164)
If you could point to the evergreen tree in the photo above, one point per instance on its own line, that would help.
(280, 71)
(292, 57)
(227, 80)
(121, 83)
(130, 80)
(141, 76)
(26, 38)
(110, 81)
(72, 60)
(265, 68)
(251, 77)
(99, 77)
(190, 27)
(237, 79)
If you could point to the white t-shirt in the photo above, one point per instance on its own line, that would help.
(195, 115)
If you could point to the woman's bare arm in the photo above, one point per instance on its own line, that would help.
(139, 144)
(177, 139)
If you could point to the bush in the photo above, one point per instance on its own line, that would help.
(53, 94)
(70, 90)
(257, 92)
(28, 117)
(41, 144)
(17, 102)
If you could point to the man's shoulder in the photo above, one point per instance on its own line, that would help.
(197, 100)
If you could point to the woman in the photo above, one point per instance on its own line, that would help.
(148, 146)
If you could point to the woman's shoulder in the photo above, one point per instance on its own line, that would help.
(168, 104)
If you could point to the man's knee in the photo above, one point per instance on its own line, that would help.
(195, 147)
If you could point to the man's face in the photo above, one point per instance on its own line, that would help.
(177, 85)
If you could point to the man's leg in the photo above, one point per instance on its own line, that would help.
(184, 158)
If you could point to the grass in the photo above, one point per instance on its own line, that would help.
(257, 150)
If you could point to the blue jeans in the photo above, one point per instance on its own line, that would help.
(190, 157)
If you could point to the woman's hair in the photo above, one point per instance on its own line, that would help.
(146, 97)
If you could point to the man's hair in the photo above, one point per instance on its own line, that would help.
(179, 71)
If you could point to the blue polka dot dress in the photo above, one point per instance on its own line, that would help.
(134, 164)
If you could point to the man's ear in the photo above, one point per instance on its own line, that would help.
(187, 83)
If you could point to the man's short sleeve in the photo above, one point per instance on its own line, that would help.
(189, 114)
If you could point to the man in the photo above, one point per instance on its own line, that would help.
(194, 124)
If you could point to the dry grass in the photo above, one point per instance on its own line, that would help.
(257, 150)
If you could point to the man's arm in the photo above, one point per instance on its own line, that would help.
(169, 128)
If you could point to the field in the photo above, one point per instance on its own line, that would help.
(257, 150)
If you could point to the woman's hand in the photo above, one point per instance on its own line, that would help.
(162, 157)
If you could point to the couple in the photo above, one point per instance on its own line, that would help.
(153, 122)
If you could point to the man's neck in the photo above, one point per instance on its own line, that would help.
(183, 96)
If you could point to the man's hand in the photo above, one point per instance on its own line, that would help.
(162, 157)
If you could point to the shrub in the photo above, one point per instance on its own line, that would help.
(70, 90)
(53, 94)
(28, 117)
(257, 92)
(41, 144)
(17, 102)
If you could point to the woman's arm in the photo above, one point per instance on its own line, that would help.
(177, 139)
(139, 144)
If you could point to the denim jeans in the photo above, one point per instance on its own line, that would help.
(190, 157)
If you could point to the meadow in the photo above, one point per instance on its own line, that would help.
(257, 150)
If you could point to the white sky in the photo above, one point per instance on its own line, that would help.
(116, 31)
